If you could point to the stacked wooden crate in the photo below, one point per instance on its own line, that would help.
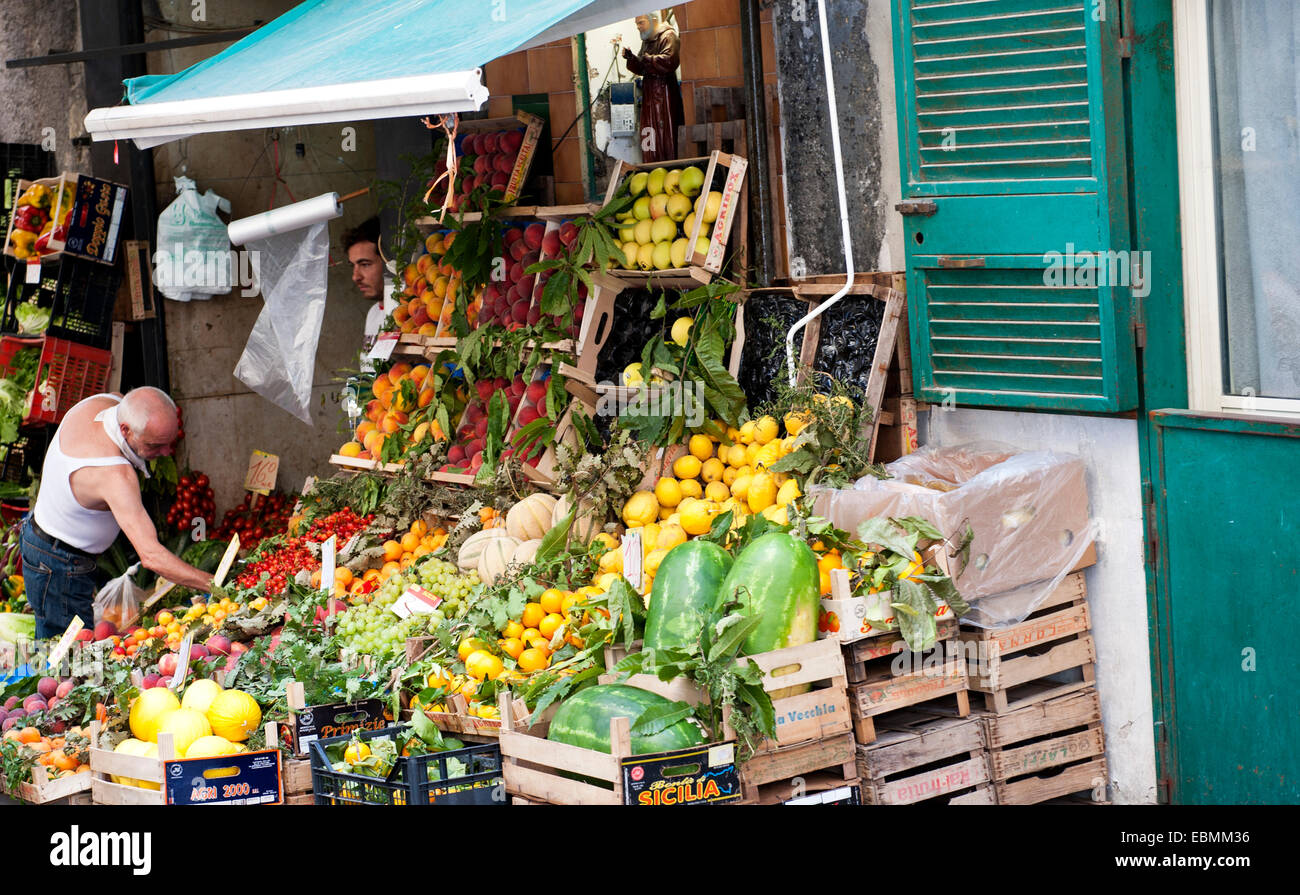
(926, 757)
(1041, 714)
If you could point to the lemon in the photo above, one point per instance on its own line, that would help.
(632, 374)
(649, 535)
(733, 434)
(740, 487)
(665, 512)
(712, 470)
(777, 515)
(700, 447)
(747, 433)
(795, 421)
(682, 330)
(717, 491)
(762, 492)
(670, 535)
(768, 454)
(692, 489)
(652, 561)
(674, 519)
(356, 752)
(765, 429)
(687, 466)
(787, 444)
(789, 491)
(641, 507)
(729, 475)
(697, 518)
(735, 455)
(612, 562)
(751, 452)
(668, 491)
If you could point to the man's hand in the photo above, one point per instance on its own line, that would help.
(121, 491)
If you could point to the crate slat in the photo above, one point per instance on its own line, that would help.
(1042, 787)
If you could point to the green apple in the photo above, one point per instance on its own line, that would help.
(659, 205)
(641, 209)
(701, 246)
(662, 255)
(691, 181)
(645, 256)
(708, 206)
(679, 252)
(627, 234)
(679, 207)
(688, 225)
(662, 230)
(637, 183)
(642, 232)
(672, 182)
(655, 183)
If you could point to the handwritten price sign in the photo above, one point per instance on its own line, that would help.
(262, 468)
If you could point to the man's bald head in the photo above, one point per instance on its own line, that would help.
(148, 419)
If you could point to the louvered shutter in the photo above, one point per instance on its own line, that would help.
(1011, 134)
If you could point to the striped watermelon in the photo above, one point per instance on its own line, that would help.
(685, 592)
(583, 720)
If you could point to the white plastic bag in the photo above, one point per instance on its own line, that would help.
(280, 358)
(193, 249)
(120, 600)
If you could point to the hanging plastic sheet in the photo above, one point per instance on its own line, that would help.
(280, 357)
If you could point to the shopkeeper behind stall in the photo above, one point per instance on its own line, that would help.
(370, 276)
(89, 492)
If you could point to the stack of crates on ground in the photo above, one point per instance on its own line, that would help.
(926, 757)
(1041, 712)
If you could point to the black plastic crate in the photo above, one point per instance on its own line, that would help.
(415, 780)
(13, 460)
(79, 293)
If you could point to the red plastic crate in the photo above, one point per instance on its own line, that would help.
(68, 372)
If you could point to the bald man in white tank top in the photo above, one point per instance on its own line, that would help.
(89, 492)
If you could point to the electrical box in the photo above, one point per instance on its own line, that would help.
(622, 109)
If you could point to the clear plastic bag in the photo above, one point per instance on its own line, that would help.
(120, 600)
(280, 358)
(1028, 513)
(194, 258)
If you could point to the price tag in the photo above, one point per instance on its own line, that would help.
(632, 557)
(385, 343)
(227, 560)
(327, 568)
(34, 271)
(161, 589)
(61, 648)
(415, 600)
(183, 662)
(262, 468)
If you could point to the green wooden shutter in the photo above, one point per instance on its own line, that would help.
(1011, 124)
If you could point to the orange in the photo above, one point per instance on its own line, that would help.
(370, 575)
(551, 600)
(63, 761)
(468, 646)
(830, 561)
(824, 581)
(568, 603)
(165, 618)
(550, 625)
(410, 541)
(29, 735)
(513, 629)
(392, 550)
(531, 660)
(419, 528)
(533, 615)
(481, 664)
(343, 574)
(390, 569)
(512, 647)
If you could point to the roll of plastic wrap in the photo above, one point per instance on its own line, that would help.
(284, 220)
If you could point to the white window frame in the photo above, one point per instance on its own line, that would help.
(1198, 203)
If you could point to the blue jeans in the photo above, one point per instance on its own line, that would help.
(58, 582)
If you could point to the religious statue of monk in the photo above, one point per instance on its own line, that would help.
(661, 95)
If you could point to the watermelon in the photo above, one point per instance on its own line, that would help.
(775, 578)
(583, 720)
(684, 593)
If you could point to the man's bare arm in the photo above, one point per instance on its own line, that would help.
(121, 492)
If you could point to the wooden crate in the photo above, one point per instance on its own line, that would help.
(830, 755)
(1035, 751)
(924, 757)
(104, 764)
(724, 173)
(73, 789)
(295, 773)
(780, 791)
(885, 677)
(1011, 666)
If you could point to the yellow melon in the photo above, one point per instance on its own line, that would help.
(149, 711)
(234, 714)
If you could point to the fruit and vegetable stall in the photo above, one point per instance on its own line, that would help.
(587, 541)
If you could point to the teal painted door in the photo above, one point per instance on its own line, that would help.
(1228, 512)
(1015, 195)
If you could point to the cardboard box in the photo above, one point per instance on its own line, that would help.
(97, 216)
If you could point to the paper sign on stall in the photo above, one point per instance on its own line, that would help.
(327, 551)
(182, 662)
(160, 589)
(262, 468)
(227, 560)
(415, 600)
(632, 557)
(385, 344)
(61, 648)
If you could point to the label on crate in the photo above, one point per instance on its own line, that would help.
(336, 720)
(385, 344)
(33, 271)
(844, 795)
(262, 469)
(698, 775)
(415, 600)
(251, 778)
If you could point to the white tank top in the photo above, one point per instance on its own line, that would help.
(57, 509)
